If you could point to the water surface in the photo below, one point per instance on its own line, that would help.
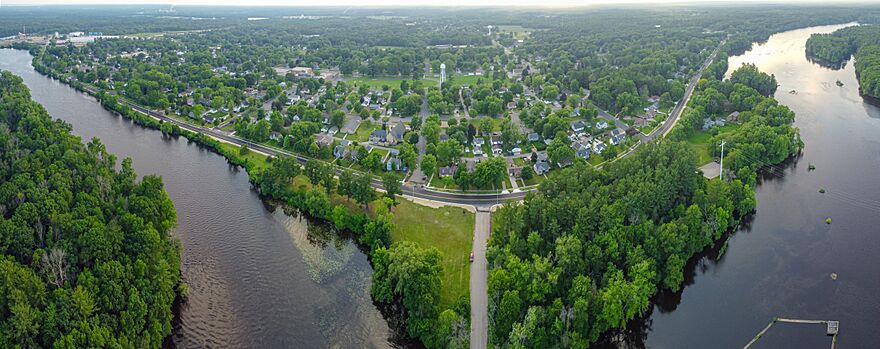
(258, 277)
(780, 262)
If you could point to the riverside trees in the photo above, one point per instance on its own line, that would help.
(88, 259)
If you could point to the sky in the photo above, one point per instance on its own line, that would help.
(373, 3)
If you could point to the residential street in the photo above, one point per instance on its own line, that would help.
(479, 286)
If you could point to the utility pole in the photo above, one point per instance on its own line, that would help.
(721, 171)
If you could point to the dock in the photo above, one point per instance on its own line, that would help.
(832, 327)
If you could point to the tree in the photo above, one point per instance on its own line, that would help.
(362, 190)
(391, 183)
(337, 118)
(559, 152)
(408, 155)
(486, 126)
(490, 172)
(429, 165)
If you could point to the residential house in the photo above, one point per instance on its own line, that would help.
(394, 164)
(617, 136)
(534, 137)
(396, 134)
(378, 137)
(541, 167)
(581, 150)
(733, 117)
(578, 126)
(496, 140)
(447, 171)
(323, 139)
(478, 142)
(599, 146)
(602, 124)
(339, 151)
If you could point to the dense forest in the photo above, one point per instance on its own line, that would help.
(587, 251)
(835, 49)
(88, 260)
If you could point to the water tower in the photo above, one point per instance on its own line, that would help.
(442, 73)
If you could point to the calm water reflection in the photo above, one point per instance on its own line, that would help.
(258, 278)
(779, 263)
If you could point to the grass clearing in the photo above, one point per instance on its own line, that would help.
(362, 134)
(390, 82)
(252, 157)
(450, 230)
(699, 142)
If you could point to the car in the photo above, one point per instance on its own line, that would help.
(472, 257)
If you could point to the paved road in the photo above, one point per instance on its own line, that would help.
(479, 284)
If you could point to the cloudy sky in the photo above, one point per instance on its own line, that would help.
(371, 3)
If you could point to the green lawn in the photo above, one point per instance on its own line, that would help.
(699, 142)
(362, 134)
(379, 82)
(450, 230)
(252, 156)
(470, 80)
(536, 179)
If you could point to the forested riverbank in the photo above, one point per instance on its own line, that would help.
(344, 202)
(88, 257)
(836, 48)
(587, 252)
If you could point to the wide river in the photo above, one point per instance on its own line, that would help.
(261, 278)
(258, 278)
(781, 262)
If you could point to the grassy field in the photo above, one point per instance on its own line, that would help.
(252, 156)
(468, 80)
(450, 230)
(699, 142)
(363, 132)
(379, 82)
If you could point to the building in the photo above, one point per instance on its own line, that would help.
(733, 117)
(378, 137)
(394, 164)
(534, 137)
(602, 124)
(578, 126)
(442, 73)
(599, 146)
(617, 136)
(447, 171)
(541, 167)
(339, 151)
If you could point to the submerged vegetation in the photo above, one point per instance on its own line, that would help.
(88, 260)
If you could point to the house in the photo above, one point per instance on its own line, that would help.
(274, 136)
(511, 105)
(534, 137)
(323, 140)
(564, 163)
(733, 117)
(541, 156)
(709, 123)
(514, 171)
(583, 152)
(378, 136)
(339, 151)
(333, 130)
(478, 142)
(602, 124)
(617, 136)
(496, 140)
(496, 149)
(541, 167)
(471, 166)
(447, 171)
(394, 164)
(578, 126)
(516, 151)
(478, 151)
(395, 136)
(599, 146)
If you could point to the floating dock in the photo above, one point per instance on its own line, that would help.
(832, 327)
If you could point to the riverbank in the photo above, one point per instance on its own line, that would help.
(457, 237)
(779, 261)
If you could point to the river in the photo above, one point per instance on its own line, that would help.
(780, 262)
(258, 277)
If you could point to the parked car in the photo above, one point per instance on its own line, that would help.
(472, 257)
